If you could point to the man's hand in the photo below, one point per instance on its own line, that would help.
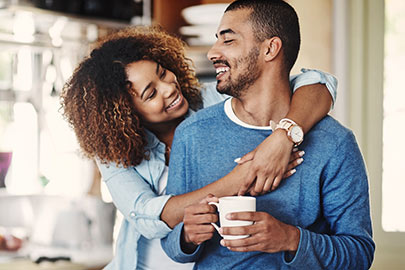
(272, 161)
(197, 222)
(267, 234)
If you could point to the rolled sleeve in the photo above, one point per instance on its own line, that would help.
(136, 200)
(313, 76)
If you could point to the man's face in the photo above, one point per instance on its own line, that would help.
(235, 55)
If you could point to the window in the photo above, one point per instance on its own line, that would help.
(393, 216)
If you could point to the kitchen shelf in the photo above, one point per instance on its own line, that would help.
(108, 23)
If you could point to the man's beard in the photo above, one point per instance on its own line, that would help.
(246, 78)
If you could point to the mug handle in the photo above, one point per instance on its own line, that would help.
(212, 223)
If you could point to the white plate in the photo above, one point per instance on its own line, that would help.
(204, 14)
(198, 30)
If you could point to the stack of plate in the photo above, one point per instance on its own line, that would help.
(203, 20)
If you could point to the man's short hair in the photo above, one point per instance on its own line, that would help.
(272, 18)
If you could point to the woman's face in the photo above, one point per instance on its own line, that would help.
(156, 92)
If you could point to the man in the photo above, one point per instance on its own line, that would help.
(317, 219)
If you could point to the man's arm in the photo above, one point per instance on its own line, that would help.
(346, 207)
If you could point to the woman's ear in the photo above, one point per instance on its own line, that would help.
(272, 48)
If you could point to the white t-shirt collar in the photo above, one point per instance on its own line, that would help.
(232, 116)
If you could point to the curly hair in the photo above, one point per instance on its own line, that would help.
(97, 102)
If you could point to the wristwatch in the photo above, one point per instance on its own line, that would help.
(294, 131)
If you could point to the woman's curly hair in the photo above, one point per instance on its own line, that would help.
(97, 102)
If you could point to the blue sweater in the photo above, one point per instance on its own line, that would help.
(327, 198)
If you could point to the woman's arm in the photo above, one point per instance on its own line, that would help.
(270, 158)
(135, 199)
(228, 185)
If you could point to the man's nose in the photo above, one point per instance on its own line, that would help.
(213, 52)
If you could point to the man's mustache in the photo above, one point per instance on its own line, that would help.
(221, 62)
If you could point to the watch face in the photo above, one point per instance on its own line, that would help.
(296, 134)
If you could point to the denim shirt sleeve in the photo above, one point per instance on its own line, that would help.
(135, 199)
(210, 95)
(313, 76)
(308, 76)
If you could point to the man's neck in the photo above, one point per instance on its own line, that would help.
(268, 99)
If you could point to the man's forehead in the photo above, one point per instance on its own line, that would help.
(234, 21)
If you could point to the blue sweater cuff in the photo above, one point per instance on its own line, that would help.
(299, 258)
(177, 253)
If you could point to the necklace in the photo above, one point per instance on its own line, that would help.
(168, 149)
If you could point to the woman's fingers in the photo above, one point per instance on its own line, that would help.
(295, 160)
(268, 185)
(293, 164)
(249, 156)
(296, 154)
(289, 173)
(276, 182)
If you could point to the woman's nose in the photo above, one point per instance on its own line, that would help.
(168, 89)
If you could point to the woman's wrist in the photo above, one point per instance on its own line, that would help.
(293, 131)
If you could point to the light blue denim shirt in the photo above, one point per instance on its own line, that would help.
(134, 189)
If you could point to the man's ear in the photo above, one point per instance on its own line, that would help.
(272, 48)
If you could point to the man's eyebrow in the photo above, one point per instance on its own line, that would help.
(225, 31)
(149, 84)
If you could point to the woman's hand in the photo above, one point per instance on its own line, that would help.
(273, 160)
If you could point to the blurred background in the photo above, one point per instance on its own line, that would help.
(52, 198)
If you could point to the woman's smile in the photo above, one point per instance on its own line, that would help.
(178, 102)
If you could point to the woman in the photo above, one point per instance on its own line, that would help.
(105, 100)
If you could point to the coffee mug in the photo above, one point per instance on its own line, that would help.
(232, 204)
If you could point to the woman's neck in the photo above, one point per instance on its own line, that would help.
(164, 131)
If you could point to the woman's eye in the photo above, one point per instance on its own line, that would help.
(163, 74)
(152, 94)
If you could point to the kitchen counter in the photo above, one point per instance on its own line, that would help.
(25, 264)
(90, 258)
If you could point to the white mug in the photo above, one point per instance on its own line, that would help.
(232, 204)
